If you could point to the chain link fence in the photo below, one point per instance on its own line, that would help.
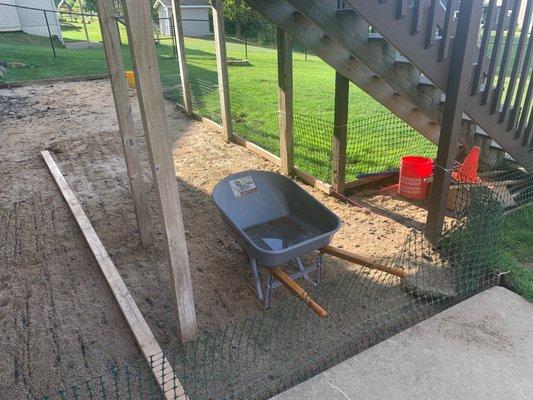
(39, 44)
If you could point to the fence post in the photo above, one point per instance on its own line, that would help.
(285, 96)
(173, 34)
(182, 59)
(118, 30)
(82, 11)
(150, 94)
(49, 33)
(238, 24)
(456, 94)
(338, 146)
(115, 65)
(222, 69)
(245, 45)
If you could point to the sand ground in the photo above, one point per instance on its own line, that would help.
(58, 320)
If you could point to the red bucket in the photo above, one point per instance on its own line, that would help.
(414, 174)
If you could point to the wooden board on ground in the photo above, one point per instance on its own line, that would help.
(161, 368)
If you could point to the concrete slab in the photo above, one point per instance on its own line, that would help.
(481, 348)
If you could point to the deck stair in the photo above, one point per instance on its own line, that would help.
(399, 52)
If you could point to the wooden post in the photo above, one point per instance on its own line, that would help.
(115, 65)
(456, 93)
(182, 60)
(338, 147)
(82, 12)
(144, 59)
(285, 97)
(238, 24)
(222, 69)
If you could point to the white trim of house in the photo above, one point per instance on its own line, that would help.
(185, 6)
(160, 3)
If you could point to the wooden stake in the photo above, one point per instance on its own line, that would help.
(144, 58)
(456, 94)
(115, 65)
(338, 147)
(285, 97)
(182, 60)
(222, 69)
(161, 368)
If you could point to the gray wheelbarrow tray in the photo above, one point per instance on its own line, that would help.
(273, 219)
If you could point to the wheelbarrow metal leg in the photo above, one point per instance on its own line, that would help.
(319, 268)
(257, 279)
(301, 267)
(268, 295)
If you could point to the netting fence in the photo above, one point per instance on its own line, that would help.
(44, 44)
(266, 353)
(261, 355)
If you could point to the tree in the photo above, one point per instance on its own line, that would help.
(237, 10)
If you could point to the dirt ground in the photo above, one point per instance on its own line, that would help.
(58, 320)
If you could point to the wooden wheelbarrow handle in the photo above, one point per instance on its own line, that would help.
(296, 289)
(357, 259)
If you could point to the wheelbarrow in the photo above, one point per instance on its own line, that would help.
(275, 221)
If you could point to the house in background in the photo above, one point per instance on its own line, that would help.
(194, 15)
(33, 22)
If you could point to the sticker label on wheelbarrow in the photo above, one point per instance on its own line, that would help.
(242, 186)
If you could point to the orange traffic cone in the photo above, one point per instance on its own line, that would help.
(467, 171)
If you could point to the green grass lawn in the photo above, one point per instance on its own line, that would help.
(72, 29)
(517, 245)
(254, 101)
(253, 93)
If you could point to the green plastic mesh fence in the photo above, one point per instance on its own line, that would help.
(205, 99)
(312, 145)
(266, 353)
(312, 140)
(376, 144)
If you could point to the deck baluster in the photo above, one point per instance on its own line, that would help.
(516, 63)
(487, 30)
(515, 112)
(432, 24)
(509, 41)
(495, 53)
(417, 17)
(446, 33)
